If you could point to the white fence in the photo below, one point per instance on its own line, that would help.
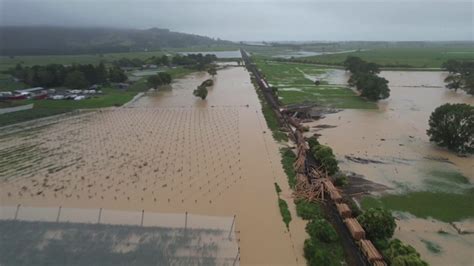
(16, 108)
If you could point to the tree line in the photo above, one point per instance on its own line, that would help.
(75, 76)
(461, 75)
(197, 61)
(364, 78)
(162, 78)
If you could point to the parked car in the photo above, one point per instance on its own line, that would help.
(79, 98)
(57, 97)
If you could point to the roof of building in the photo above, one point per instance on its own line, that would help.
(30, 89)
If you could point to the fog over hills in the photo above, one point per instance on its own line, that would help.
(29, 40)
(260, 20)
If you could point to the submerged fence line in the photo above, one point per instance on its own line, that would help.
(116, 217)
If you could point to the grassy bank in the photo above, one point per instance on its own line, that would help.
(285, 212)
(295, 84)
(430, 57)
(446, 207)
(287, 160)
(270, 117)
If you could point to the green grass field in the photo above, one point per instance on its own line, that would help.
(328, 96)
(430, 57)
(295, 85)
(44, 108)
(449, 198)
(446, 207)
(111, 97)
(7, 62)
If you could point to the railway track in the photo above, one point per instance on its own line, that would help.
(358, 250)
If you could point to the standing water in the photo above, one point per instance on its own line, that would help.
(394, 138)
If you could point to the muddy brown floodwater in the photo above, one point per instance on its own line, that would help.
(167, 152)
(395, 135)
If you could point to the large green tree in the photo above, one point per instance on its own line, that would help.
(364, 78)
(201, 92)
(76, 80)
(322, 230)
(461, 75)
(399, 254)
(165, 77)
(212, 71)
(372, 87)
(116, 74)
(162, 78)
(154, 81)
(326, 158)
(378, 223)
(452, 126)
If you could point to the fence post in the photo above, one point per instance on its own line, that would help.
(185, 221)
(236, 257)
(17, 211)
(100, 214)
(231, 227)
(59, 213)
(143, 214)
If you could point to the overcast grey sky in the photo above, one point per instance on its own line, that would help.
(257, 20)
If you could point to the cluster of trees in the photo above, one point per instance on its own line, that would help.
(378, 223)
(461, 75)
(162, 78)
(321, 232)
(379, 226)
(198, 61)
(399, 254)
(75, 76)
(201, 90)
(324, 155)
(452, 126)
(364, 78)
(319, 248)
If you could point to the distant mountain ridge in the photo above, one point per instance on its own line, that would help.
(50, 40)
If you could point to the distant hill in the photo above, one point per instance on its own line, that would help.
(45, 40)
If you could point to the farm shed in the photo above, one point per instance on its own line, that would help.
(30, 91)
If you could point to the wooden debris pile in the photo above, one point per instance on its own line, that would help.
(311, 192)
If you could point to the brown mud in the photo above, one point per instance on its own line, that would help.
(389, 147)
(167, 152)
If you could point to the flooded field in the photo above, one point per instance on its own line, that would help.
(167, 152)
(390, 146)
(301, 53)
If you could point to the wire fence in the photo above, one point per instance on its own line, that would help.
(174, 238)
